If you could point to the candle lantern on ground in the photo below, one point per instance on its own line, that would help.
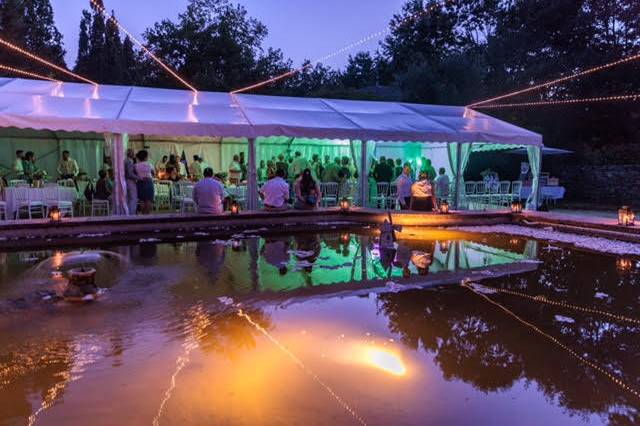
(55, 215)
(345, 205)
(235, 207)
(626, 216)
(444, 207)
(516, 206)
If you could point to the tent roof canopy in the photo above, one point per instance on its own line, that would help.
(79, 107)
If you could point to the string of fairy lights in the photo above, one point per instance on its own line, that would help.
(37, 58)
(613, 378)
(409, 18)
(598, 99)
(27, 73)
(147, 52)
(547, 301)
(557, 81)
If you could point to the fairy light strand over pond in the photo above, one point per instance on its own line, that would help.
(146, 50)
(616, 380)
(617, 98)
(301, 364)
(558, 80)
(348, 47)
(37, 58)
(546, 301)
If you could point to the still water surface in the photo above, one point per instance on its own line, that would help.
(329, 331)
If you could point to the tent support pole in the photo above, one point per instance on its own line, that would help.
(364, 173)
(456, 200)
(252, 184)
(119, 186)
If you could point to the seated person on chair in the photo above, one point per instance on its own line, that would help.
(208, 194)
(423, 197)
(275, 192)
(104, 187)
(307, 192)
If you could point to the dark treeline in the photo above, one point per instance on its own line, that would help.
(464, 52)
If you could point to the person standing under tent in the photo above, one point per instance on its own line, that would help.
(316, 167)
(404, 183)
(442, 185)
(332, 171)
(262, 171)
(196, 169)
(106, 164)
(382, 172)
(145, 172)
(275, 192)
(18, 165)
(299, 165)
(235, 171)
(132, 182)
(67, 167)
(271, 170)
(29, 166)
(244, 173)
(423, 196)
(208, 194)
(281, 164)
(397, 171)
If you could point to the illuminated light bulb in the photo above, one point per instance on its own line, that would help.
(559, 80)
(149, 53)
(44, 61)
(346, 48)
(385, 360)
(617, 98)
(27, 73)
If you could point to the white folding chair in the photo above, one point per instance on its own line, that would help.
(3, 210)
(329, 193)
(186, 199)
(100, 207)
(505, 194)
(516, 190)
(162, 195)
(392, 198)
(383, 192)
(470, 193)
(25, 203)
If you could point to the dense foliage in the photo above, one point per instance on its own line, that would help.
(456, 54)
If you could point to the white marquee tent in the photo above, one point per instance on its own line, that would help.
(214, 125)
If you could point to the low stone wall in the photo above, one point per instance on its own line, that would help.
(614, 184)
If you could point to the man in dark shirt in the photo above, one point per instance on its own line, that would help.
(383, 172)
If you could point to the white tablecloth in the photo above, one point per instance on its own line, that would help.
(547, 192)
(36, 194)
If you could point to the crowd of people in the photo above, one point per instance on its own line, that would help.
(418, 185)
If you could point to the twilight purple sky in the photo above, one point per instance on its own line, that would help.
(302, 28)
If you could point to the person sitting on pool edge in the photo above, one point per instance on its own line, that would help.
(275, 192)
(423, 196)
(307, 192)
(208, 194)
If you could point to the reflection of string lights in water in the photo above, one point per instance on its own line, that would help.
(200, 321)
(299, 362)
(84, 356)
(557, 342)
(543, 299)
(385, 360)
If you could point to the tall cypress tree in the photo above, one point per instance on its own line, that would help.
(84, 47)
(96, 60)
(113, 53)
(129, 63)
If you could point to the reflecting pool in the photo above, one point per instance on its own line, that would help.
(316, 329)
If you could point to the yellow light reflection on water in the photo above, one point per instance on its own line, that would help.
(385, 360)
